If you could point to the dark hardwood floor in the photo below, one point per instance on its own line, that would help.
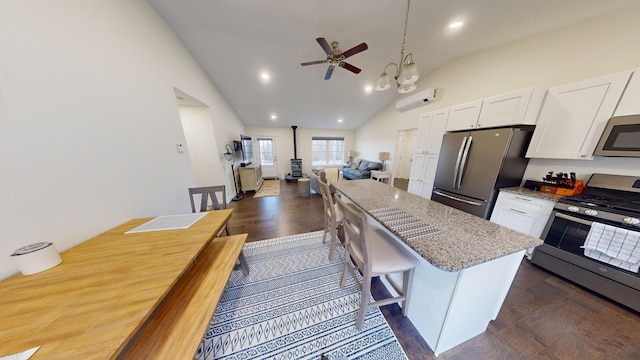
(543, 317)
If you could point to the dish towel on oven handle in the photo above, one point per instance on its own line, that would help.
(612, 245)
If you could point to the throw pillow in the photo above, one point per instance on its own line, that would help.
(363, 165)
(373, 166)
(356, 164)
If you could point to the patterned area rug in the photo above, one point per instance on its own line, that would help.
(291, 306)
(268, 188)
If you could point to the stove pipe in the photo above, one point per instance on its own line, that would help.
(295, 146)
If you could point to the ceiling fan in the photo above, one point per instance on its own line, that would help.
(336, 57)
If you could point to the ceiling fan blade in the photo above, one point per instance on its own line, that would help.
(314, 62)
(350, 67)
(354, 50)
(325, 45)
(327, 76)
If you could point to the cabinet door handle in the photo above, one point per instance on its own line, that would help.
(518, 211)
(519, 198)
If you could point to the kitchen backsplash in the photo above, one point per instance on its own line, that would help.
(538, 168)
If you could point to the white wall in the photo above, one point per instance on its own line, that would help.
(580, 51)
(284, 143)
(89, 121)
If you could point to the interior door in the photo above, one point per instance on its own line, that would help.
(268, 157)
(402, 161)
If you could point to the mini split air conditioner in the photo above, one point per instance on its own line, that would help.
(418, 99)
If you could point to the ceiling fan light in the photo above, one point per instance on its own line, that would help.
(383, 82)
(408, 73)
(407, 88)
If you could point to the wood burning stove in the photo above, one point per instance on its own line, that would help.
(296, 168)
(296, 164)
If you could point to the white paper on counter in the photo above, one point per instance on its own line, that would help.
(21, 356)
(168, 222)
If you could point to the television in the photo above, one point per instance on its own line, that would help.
(247, 150)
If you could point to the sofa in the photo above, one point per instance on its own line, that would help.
(321, 174)
(360, 169)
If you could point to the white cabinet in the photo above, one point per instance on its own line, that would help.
(437, 129)
(464, 116)
(431, 128)
(519, 107)
(573, 117)
(522, 213)
(422, 175)
(515, 108)
(250, 178)
(630, 102)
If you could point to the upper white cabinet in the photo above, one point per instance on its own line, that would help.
(464, 116)
(515, 108)
(519, 107)
(574, 116)
(431, 128)
(630, 102)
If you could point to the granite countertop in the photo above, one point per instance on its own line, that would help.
(532, 193)
(453, 240)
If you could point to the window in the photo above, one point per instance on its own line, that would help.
(266, 151)
(327, 151)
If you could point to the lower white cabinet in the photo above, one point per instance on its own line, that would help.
(422, 175)
(522, 213)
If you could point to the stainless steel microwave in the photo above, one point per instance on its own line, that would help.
(621, 137)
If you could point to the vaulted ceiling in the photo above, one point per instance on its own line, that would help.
(235, 41)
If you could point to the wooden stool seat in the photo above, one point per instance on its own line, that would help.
(304, 187)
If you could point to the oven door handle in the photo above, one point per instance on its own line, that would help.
(573, 218)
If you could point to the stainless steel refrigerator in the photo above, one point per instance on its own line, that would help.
(474, 165)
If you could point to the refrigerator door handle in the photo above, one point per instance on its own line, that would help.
(456, 171)
(457, 198)
(463, 163)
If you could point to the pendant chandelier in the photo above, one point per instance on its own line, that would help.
(406, 73)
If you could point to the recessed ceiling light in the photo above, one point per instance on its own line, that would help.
(265, 76)
(340, 120)
(368, 89)
(274, 116)
(456, 24)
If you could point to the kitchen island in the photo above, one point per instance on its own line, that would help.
(467, 264)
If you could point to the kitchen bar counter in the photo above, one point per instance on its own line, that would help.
(466, 264)
(462, 240)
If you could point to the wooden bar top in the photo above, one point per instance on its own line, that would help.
(109, 291)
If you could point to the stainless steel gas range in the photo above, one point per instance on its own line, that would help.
(593, 239)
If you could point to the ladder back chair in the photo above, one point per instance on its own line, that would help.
(332, 217)
(331, 175)
(374, 253)
(210, 192)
